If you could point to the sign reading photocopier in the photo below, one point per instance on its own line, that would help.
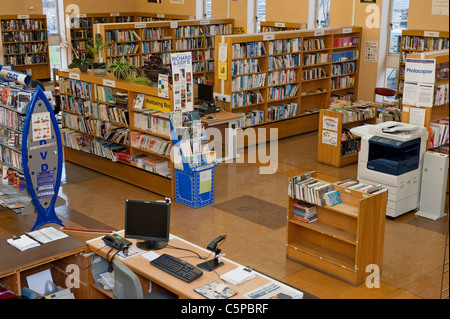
(420, 70)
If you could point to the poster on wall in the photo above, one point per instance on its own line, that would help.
(439, 7)
(371, 51)
(176, 1)
(182, 78)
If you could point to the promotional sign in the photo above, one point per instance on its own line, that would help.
(42, 158)
(183, 86)
(420, 70)
(14, 76)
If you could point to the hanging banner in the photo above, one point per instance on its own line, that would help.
(182, 77)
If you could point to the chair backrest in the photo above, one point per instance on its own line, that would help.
(127, 284)
(384, 92)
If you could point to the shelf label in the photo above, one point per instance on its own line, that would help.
(80, 15)
(173, 24)
(23, 16)
(431, 34)
(74, 76)
(110, 83)
(204, 22)
(347, 190)
(347, 30)
(268, 36)
(140, 25)
(319, 32)
(114, 14)
(280, 24)
(160, 15)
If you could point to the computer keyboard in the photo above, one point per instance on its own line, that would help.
(177, 267)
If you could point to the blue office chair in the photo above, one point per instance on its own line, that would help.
(128, 286)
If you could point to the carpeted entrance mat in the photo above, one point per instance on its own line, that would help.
(256, 210)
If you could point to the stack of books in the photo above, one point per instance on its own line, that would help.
(304, 212)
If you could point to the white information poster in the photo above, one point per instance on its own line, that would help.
(163, 86)
(40, 123)
(425, 95)
(420, 70)
(417, 116)
(439, 7)
(371, 51)
(329, 138)
(330, 123)
(183, 86)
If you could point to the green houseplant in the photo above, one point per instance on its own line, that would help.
(81, 62)
(96, 50)
(153, 67)
(122, 69)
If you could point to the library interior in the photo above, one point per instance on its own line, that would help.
(226, 149)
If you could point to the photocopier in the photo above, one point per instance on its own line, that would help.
(391, 154)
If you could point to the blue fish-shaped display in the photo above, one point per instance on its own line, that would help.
(42, 158)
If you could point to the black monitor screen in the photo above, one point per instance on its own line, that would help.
(205, 93)
(148, 221)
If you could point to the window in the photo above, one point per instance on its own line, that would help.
(49, 9)
(260, 13)
(323, 13)
(208, 9)
(398, 22)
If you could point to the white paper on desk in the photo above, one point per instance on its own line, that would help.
(47, 234)
(23, 242)
(151, 255)
(38, 282)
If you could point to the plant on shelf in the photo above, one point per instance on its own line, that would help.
(122, 69)
(153, 67)
(98, 47)
(80, 62)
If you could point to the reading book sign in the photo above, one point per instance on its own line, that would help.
(183, 86)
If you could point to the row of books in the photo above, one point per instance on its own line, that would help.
(285, 46)
(424, 44)
(356, 113)
(80, 45)
(282, 77)
(152, 33)
(347, 135)
(165, 57)
(209, 54)
(342, 100)
(11, 119)
(209, 42)
(282, 92)
(121, 36)
(151, 143)
(245, 66)
(152, 124)
(284, 111)
(441, 94)
(23, 24)
(306, 188)
(314, 44)
(361, 187)
(155, 46)
(246, 98)
(106, 149)
(439, 133)
(251, 118)
(187, 44)
(26, 59)
(350, 147)
(248, 50)
(304, 212)
(197, 55)
(122, 49)
(152, 164)
(198, 67)
(343, 82)
(24, 48)
(103, 94)
(80, 22)
(10, 138)
(344, 56)
(248, 82)
(345, 42)
(218, 29)
(283, 62)
(188, 31)
(15, 99)
(24, 36)
(75, 87)
(344, 68)
(80, 34)
(11, 157)
(391, 113)
(314, 74)
(317, 58)
(76, 140)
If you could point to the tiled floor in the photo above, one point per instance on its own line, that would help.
(414, 246)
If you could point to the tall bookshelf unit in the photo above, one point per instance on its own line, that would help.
(24, 43)
(418, 41)
(90, 116)
(166, 37)
(296, 73)
(273, 26)
(81, 30)
(346, 237)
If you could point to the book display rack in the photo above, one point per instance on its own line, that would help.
(137, 41)
(24, 44)
(273, 26)
(341, 238)
(282, 79)
(105, 129)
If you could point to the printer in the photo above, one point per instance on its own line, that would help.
(391, 154)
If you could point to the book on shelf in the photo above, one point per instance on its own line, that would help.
(332, 198)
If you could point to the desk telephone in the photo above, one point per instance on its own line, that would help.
(116, 241)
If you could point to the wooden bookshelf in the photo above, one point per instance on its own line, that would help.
(418, 41)
(273, 26)
(166, 37)
(81, 30)
(24, 44)
(346, 237)
(336, 145)
(440, 107)
(300, 76)
(83, 123)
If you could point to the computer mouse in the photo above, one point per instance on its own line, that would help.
(221, 287)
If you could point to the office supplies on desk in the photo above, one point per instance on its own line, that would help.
(177, 267)
(23, 242)
(239, 275)
(215, 290)
(46, 235)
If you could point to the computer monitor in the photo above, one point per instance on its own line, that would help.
(148, 221)
(205, 93)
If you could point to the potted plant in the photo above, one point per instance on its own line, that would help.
(98, 47)
(122, 69)
(80, 62)
(153, 67)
